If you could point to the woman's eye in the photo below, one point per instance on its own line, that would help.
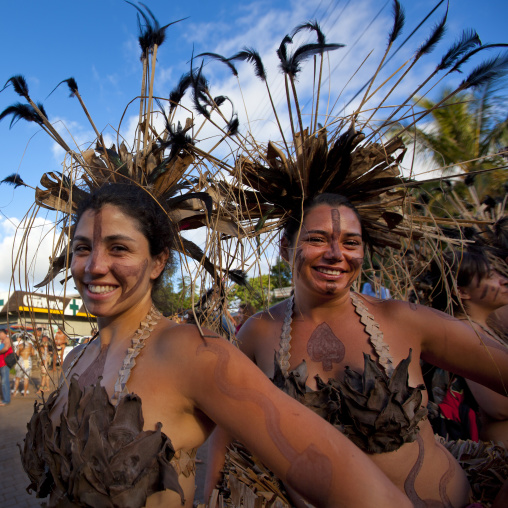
(118, 248)
(79, 249)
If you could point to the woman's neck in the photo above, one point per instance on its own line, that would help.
(315, 306)
(122, 326)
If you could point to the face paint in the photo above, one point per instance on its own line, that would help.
(299, 261)
(137, 271)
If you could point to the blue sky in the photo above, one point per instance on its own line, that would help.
(95, 41)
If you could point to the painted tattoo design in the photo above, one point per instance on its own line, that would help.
(325, 347)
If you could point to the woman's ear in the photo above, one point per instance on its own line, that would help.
(464, 293)
(159, 262)
(284, 249)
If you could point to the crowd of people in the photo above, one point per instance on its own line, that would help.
(42, 352)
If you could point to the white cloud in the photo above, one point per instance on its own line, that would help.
(16, 246)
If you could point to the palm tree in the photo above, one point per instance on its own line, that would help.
(468, 133)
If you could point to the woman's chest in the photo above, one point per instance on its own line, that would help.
(328, 347)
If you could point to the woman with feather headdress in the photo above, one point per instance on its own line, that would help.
(351, 358)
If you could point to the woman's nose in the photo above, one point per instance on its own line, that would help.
(334, 251)
(97, 261)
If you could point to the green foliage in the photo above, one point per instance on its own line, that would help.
(258, 296)
(174, 295)
(467, 133)
(280, 274)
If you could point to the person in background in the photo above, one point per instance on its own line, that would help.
(44, 355)
(5, 349)
(245, 311)
(376, 289)
(25, 351)
(60, 343)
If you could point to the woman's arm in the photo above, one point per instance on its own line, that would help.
(454, 346)
(300, 447)
(218, 442)
(493, 404)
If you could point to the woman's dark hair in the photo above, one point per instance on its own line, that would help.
(296, 218)
(247, 309)
(465, 267)
(138, 204)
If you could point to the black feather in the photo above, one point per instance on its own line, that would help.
(233, 125)
(200, 95)
(15, 180)
(19, 84)
(436, 35)
(222, 59)
(311, 25)
(252, 56)
(292, 65)
(151, 34)
(23, 111)
(487, 72)
(473, 52)
(468, 40)
(71, 83)
(398, 21)
(178, 92)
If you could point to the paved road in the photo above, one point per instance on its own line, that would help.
(13, 480)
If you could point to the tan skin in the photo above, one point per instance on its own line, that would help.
(326, 259)
(188, 382)
(480, 299)
(24, 351)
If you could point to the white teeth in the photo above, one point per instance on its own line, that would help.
(329, 271)
(100, 289)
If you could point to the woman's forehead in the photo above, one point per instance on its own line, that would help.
(331, 217)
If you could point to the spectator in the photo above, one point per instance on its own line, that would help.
(245, 311)
(5, 349)
(376, 289)
(25, 351)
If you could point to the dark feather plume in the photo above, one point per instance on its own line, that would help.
(436, 35)
(71, 83)
(487, 72)
(23, 111)
(467, 41)
(222, 59)
(151, 33)
(311, 25)
(19, 84)
(176, 95)
(473, 52)
(252, 56)
(398, 21)
(15, 180)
